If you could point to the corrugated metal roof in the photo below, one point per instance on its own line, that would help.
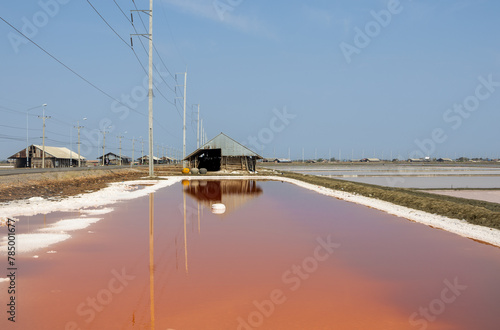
(147, 157)
(115, 156)
(58, 152)
(228, 146)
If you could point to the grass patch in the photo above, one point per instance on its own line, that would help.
(473, 211)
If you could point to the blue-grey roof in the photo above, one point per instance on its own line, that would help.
(228, 146)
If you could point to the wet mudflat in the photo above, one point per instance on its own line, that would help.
(279, 257)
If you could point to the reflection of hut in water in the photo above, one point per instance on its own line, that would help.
(231, 193)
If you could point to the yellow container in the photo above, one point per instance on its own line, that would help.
(185, 170)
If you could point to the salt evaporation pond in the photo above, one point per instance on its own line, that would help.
(279, 257)
(430, 182)
(407, 176)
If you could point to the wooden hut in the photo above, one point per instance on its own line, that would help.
(54, 157)
(113, 159)
(223, 153)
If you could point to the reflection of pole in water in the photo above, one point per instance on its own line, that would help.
(44, 220)
(151, 260)
(185, 231)
(176, 258)
(198, 217)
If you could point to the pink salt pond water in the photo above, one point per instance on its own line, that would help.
(279, 257)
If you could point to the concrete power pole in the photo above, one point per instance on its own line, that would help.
(71, 147)
(157, 152)
(150, 73)
(103, 145)
(78, 127)
(151, 164)
(198, 130)
(43, 136)
(142, 151)
(184, 121)
(201, 132)
(133, 150)
(120, 137)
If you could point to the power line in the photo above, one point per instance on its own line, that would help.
(75, 73)
(172, 35)
(129, 46)
(23, 128)
(126, 43)
(154, 47)
(68, 68)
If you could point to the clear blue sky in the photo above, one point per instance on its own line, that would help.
(366, 77)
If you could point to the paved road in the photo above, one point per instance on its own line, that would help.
(13, 171)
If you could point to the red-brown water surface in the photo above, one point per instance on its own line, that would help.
(280, 257)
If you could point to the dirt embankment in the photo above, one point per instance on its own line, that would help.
(69, 183)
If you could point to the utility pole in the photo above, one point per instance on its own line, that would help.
(43, 136)
(120, 137)
(133, 150)
(150, 93)
(151, 164)
(103, 144)
(184, 121)
(142, 151)
(302, 154)
(184, 134)
(27, 123)
(78, 127)
(71, 147)
(201, 132)
(198, 130)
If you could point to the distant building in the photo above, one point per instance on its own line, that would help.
(91, 163)
(167, 160)
(114, 159)
(444, 160)
(145, 160)
(415, 160)
(370, 160)
(54, 157)
(282, 160)
(223, 153)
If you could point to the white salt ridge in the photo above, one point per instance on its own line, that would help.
(31, 242)
(456, 226)
(57, 232)
(2, 279)
(70, 224)
(116, 192)
(97, 211)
